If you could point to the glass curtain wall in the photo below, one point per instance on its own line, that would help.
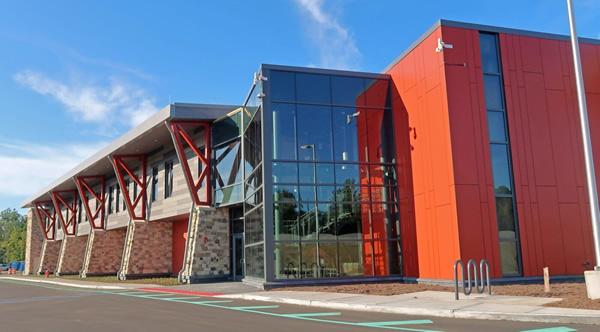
(254, 240)
(227, 160)
(333, 177)
(508, 230)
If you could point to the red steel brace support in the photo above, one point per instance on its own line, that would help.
(180, 135)
(49, 231)
(119, 163)
(83, 186)
(70, 225)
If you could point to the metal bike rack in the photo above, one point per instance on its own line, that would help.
(469, 285)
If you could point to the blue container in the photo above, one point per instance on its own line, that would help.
(14, 265)
(21, 266)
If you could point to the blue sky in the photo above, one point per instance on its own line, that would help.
(75, 75)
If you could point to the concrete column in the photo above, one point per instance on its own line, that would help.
(73, 255)
(152, 249)
(106, 252)
(33, 243)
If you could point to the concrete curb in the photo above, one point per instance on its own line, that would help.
(463, 313)
(64, 283)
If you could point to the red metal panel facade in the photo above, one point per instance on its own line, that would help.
(547, 150)
(445, 176)
(425, 163)
(474, 183)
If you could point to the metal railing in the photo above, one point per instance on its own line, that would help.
(469, 284)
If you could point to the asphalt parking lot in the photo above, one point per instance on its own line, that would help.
(27, 307)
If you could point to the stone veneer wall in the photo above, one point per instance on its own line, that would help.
(211, 254)
(51, 256)
(73, 255)
(107, 251)
(152, 248)
(33, 243)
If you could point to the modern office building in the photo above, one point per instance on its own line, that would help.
(469, 152)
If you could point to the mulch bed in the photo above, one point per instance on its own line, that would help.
(573, 294)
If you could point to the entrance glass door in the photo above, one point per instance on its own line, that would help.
(237, 243)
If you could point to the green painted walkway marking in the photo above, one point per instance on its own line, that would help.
(136, 294)
(256, 307)
(310, 314)
(552, 329)
(210, 302)
(399, 322)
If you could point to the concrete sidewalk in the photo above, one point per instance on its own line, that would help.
(428, 303)
(436, 304)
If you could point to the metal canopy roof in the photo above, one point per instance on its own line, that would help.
(143, 139)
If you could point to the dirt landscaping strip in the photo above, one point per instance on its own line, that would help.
(574, 294)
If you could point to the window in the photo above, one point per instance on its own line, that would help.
(135, 189)
(154, 183)
(125, 191)
(79, 206)
(117, 197)
(314, 133)
(502, 169)
(98, 201)
(335, 206)
(87, 201)
(168, 179)
(110, 199)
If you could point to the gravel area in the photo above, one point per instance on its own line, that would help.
(573, 294)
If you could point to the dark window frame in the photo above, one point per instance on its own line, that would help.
(110, 200)
(117, 197)
(169, 179)
(154, 192)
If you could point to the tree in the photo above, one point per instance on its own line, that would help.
(13, 231)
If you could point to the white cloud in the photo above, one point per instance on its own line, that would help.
(118, 102)
(336, 46)
(25, 168)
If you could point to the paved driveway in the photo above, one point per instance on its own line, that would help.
(27, 307)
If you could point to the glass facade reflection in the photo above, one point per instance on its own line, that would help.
(252, 138)
(333, 182)
(227, 158)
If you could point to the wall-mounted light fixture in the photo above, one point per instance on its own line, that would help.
(441, 46)
(350, 116)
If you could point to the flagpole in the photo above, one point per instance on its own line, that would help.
(587, 144)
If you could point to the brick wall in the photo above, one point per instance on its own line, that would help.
(211, 254)
(34, 240)
(73, 254)
(107, 251)
(51, 255)
(152, 248)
